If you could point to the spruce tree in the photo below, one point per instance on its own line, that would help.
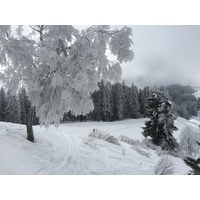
(126, 109)
(161, 124)
(13, 111)
(143, 100)
(118, 101)
(109, 99)
(135, 107)
(166, 120)
(103, 100)
(151, 128)
(96, 113)
(2, 104)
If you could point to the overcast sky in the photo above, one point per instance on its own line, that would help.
(164, 55)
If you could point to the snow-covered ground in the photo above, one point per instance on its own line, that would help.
(64, 150)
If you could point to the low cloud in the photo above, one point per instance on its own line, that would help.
(164, 55)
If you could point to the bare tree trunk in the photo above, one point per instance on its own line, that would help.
(29, 124)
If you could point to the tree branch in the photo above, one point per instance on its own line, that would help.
(35, 29)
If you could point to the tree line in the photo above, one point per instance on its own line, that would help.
(13, 108)
(118, 101)
(185, 104)
(115, 102)
(111, 102)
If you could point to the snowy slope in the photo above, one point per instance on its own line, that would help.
(63, 150)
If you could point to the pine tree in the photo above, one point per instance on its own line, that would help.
(161, 124)
(134, 104)
(96, 113)
(12, 112)
(198, 103)
(151, 127)
(109, 98)
(127, 101)
(103, 100)
(166, 120)
(2, 104)
(194, 164)
(118, 102)
(143, 100)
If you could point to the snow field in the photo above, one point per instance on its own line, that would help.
(64, 150)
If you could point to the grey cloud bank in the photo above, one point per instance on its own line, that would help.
(164, 55)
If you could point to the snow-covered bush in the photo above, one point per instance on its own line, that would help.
(89, 141)
(104, 136)
(164, 167)
(126, 139)
(141, 152)
(188, 144)
(148, 143)
(136, 145)
(132, 142)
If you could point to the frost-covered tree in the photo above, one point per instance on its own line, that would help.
(188, 144)
(61, 66)
(164, 167)
(161, 124)
(194, 163)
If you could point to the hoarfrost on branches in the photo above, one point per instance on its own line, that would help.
(61, 66)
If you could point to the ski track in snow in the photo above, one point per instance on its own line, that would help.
(62, 158)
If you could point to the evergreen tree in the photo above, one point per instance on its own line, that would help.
(166, 120)
(194, 164)
(198, 103)
(131, 103)
(143, 100)
(134, 104)
(103, 100)
(2, 104)
(96, 113)
(126, 109)
(185, 103)
(12, 112)
(161, 124)
(118, 101)
(152, 126)
(109, 99)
